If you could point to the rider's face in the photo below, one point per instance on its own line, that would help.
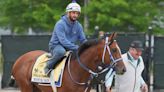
(73, 15)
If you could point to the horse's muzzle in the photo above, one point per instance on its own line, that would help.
(120, 71)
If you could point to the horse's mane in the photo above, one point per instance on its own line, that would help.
(87, 44)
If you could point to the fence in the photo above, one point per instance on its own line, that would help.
(14, 45)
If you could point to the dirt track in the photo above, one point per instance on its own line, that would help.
(12, 90)
(9, 90)
(16, 90)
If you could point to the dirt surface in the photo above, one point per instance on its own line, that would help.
(9, 90)
(17, 90)
(13, 89)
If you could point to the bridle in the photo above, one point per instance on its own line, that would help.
(92, 73)
(106, 47)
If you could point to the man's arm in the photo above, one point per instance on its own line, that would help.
(144, 87)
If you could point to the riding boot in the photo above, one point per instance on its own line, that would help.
(57, 53)
(50, 64)
(47, 70)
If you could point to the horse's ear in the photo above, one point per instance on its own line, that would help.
(113, 36)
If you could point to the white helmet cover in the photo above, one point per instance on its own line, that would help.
(73, 7)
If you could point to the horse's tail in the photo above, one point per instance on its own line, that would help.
(12, 82)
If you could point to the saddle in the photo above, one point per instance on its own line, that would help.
(38, 74)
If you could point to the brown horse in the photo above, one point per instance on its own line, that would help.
(76, 76)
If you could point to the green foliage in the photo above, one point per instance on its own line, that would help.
(19, 15)
(109, 15)
(121, 15)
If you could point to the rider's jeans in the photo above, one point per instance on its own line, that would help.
(57, 53)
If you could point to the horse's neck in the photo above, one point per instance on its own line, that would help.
(87, 58)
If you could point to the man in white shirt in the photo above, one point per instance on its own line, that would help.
(131, 80)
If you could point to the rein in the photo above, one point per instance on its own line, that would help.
(92, 73)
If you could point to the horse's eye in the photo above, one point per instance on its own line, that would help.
(114, 50)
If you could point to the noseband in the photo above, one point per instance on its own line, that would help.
(92, 73)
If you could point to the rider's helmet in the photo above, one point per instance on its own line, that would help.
(73, 6)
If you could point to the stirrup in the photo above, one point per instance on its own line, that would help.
(48, 72)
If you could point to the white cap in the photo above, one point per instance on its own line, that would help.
(73, 7)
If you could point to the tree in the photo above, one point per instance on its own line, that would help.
(122, 15)
(109, 15)
(20, 15)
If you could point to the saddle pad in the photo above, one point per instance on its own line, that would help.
(38, 74)
(57, 80)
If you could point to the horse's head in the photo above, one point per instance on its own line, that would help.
(102, 52)
(102, 55)
(110, 54)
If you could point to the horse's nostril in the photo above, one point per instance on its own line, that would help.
(124, 70)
